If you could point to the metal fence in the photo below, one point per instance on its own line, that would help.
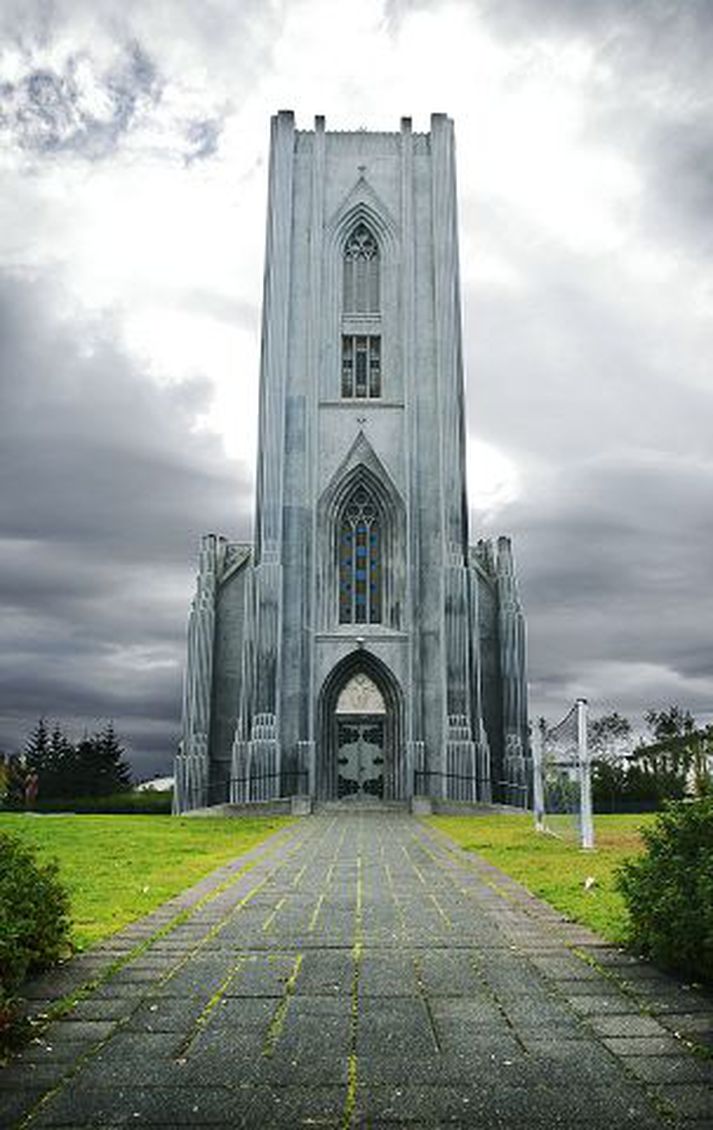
(261, 786)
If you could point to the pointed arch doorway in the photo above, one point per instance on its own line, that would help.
(360, 750)
(360, 717)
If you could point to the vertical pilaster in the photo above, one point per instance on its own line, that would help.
(314, 352)
(460, 751)
(480, 738)
(192, 761)
(449, 364)
(512, 673)
(275, 331)
(263, 758)
(414, 721)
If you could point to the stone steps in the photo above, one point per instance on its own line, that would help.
(362, 805)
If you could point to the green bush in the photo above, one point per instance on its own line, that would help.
(148, 803)
(669, 889)
(34, 922)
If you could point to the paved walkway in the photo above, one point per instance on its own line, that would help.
(362, 972)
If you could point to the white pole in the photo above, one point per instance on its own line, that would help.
(585, 780)
(538, 790)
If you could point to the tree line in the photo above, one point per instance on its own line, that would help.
(53, 767)
(674, 759)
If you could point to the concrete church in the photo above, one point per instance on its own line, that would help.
(361, 649)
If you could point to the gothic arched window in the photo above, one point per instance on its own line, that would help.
(360, 560)
(361, 272)
(361, 346)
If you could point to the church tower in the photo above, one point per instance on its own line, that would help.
(361, 647)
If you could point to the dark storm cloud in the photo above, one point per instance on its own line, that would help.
(614, 556)
(79, 108)
(106, 489)
(598, 388)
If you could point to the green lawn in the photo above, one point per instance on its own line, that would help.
(552, 868)
(117, 868)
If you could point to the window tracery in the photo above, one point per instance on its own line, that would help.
(361, 272)
(360, 560)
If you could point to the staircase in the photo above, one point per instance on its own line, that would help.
(361, 804)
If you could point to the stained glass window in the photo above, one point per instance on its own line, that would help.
(360, 561)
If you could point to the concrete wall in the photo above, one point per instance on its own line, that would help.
(278, 637)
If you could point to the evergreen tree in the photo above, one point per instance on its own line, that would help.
(99, 766)
(55, 767)
(38, 748)
(114, 767)
(96, 766)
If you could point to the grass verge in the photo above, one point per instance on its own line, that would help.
(555, 869)
(118, 868)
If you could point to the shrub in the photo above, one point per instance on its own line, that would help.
(669, 889)
(148, 803)
(34, 922)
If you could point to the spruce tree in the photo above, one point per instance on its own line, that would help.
(114, 767)
(38, 748)
(100, 768)
(59, 779)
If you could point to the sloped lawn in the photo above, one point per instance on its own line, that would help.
(556, 869)
(117, 868)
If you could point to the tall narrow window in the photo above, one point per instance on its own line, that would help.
(360, 558)
(361, 365)
(361, 272)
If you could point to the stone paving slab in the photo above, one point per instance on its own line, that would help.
(364, 972)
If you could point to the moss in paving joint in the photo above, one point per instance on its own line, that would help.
(624, 987)
(201, 1021)
(315, 913)
(357, 951)
(273, 914)
(72, 999)
(65, 1004)
(352, 1084)
(280, 1015)
(421, 986)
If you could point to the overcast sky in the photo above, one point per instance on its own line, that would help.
(133, 149)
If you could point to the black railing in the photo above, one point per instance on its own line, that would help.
(428, 782)
(291, 782)
(422, 783)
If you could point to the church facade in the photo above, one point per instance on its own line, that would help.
(361, 647)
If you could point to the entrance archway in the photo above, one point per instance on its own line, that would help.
(360, 748)
(361, 714)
